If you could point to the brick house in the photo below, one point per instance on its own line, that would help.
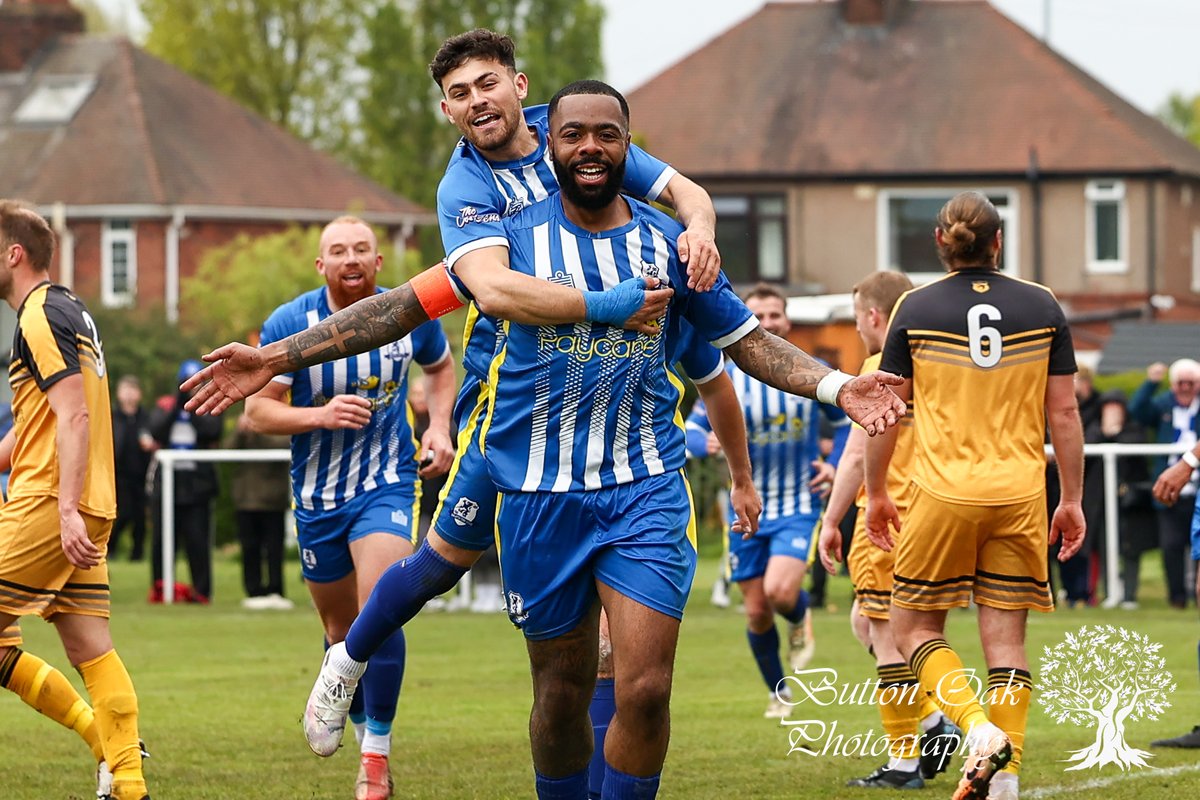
(829, 134)
(142, 169)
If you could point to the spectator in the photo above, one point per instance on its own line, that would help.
(261, 497)
(1085, 393)
(1136, 513)
(174, 428)
(132, 449)
(1074, 572)
(1174, 416)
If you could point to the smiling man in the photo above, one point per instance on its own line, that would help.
(355, 468)
(582, 442)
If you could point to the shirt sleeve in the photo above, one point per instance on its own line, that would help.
(429, 343)
(50, 337)
(718, 315)
(470, 213)
(696, 430)
(1062, 349)
(645, 175)
(897, 358)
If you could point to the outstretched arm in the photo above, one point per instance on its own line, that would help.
(867, 399)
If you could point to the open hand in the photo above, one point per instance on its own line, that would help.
(235, 372)
(870, 401)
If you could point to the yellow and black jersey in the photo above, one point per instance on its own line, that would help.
(56, 337)
(900, 468)
(978, 346)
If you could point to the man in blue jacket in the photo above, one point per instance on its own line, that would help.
(1174, 416)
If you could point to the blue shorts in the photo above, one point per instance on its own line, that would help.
(783, 536)
(325, 536)
(638, 538)
(466, 511)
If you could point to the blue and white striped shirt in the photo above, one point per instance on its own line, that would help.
(588, 406)
(332, 466)
(783, 433)
(476, 195)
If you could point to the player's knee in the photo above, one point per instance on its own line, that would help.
(646, 697)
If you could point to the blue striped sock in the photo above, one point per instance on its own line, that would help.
(619, 786)
(572, 787)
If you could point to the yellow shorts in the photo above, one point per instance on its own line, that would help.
(950, 550)
(35, 576)
(871, 571)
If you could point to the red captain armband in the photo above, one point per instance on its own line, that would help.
(435, 291)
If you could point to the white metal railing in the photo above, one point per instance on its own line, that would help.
(1113, 585)
(1108, 452)
(166, 463)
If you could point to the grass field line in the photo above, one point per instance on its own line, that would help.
(1103, 783)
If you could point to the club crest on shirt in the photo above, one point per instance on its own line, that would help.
(980, 286)
(514, 206)
(464, 511)
(397, 351)
(652, 270)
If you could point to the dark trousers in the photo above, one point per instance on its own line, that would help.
(261, 535)
(193, 527)
(1174, 532)
(131, 513)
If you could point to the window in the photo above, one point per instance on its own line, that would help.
(1107, 221)
(118, 255)
(907, 218)
(752, 237)
(55, 100)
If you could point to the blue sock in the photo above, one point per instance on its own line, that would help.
(401, 592)
(572, 787)
(796, 615)
(765, 647)
(619, 786)
(381, 684)
(604, 705)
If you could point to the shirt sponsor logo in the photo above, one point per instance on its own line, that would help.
(585, 348)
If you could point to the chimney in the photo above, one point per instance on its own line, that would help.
(868, 12)
(27, 25)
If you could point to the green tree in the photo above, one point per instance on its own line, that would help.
(285, 59)
(403, 140)
(1182, 115)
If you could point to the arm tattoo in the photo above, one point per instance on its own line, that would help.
(777, 363)
(371, 322)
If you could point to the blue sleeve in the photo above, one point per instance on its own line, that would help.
(697, 430)
(645, 175)
(429, 343)
(279, 325)
(1141, 405)
(718, 315)
(700, 360)
(470, 211)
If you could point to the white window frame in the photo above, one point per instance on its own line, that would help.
(110, 236)
(1196, 259)
(1009, 215)
(1107, 190)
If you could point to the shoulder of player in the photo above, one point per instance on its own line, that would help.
(295, 311)
(670, 227)
(54, 303)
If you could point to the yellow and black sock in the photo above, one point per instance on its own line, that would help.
(116, 709)
(48, 692)
(1008, 693)
(941, 673)
(899, 699)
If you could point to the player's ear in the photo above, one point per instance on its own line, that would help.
(522, 82)
(446, 110)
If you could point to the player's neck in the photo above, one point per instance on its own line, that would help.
(613, 215)
(523, 143)
(24, 281)
(338, 299)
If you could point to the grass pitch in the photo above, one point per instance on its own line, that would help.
(222, 690)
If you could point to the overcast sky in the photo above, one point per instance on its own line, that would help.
(1142, 49)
